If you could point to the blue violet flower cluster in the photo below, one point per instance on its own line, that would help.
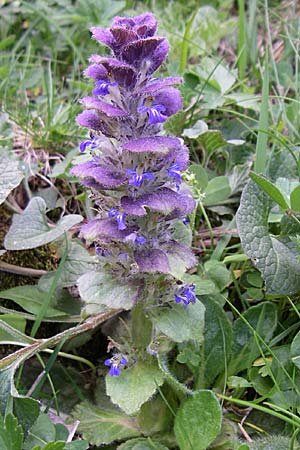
(134, 171)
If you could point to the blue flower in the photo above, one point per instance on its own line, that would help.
(186, 294)
(135, 238)
(137, 180)
(115, 364)
(102, 87)
(154, 113)
(120, 218)
(186, 220)
(87, 143)
(174, 172)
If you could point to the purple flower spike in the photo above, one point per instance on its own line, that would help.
(120, 217)
(102, 87)
(186, 294)
(154, 113)
(115, 364)
(136, 179)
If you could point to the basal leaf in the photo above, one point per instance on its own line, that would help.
(263, 319)
(11, 173)
(217, 190)
(217, 340)
(295, 199)
(276, 259)
(134, 386)
(103, 426)
(43, 430)
(30, 298)
(295, 350)
(78, 262)
(142, 444)
(99, 290)
(30, 229)
(181, 324)
(18, 323)
(198, 421)
(270, 189)
(11, 434)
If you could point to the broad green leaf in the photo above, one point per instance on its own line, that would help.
(203, 287)
(200, 174)
(142, 444)
(78, 262)
(30, 229)
(217, 190)
(77, 445)
(43, 430)
(30, 298)
(182, 233)
(277, 259)
(212, 140)
(295, 350)
(134, 386)
(103, 426)
(218, 273)
(263, 319)
(198, 421)
(98, 290)
(196, 130)
(295, 199)
(16, 322)
(27, 411)
(180, 324)
(270, 189)
(51, 446)
(11, 434)
(154, 416)
(11, 173)
(217, 340)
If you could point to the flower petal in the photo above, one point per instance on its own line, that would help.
(102, 35)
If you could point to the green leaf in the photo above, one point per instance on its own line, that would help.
(102, 426)
(78, 262)
(11, 434)
(217, 190)
(99, 289)
(262, 138)
(27, 411)
(276, 259)
(42, 431)
(134, 386)
(295, 199)
(180, 324)
(196, 130)
(270, 189)
(142, 444)
(31, 299)
(30, 229)
(295, 350)
(217, 340)
(263, 319)
(198, 421)
(200, 175)
(218, 273)
(16, 322)
(11, 173)
(58, 445)
(77, 445)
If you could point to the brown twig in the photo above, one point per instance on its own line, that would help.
(18, 270)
